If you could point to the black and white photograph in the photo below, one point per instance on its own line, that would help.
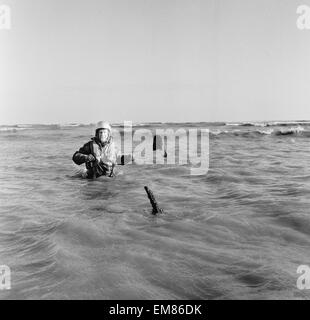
(154, 150)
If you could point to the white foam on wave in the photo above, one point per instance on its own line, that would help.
(292, 130)
(247, 124)
(269, 123)
(11, 129)
(268, 132)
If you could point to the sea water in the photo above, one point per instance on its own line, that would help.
(240, 231)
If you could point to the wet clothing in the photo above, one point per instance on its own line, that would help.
(104, 160)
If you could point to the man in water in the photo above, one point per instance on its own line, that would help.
(99, 154)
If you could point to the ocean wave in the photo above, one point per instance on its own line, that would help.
(18, 127)
(75, 125)
(241, 132)
(288, 123)
(296, 131)
(11, 129)
(269, 123)
(291, 131)
(247, 124)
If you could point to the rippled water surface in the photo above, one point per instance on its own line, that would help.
(238, 232)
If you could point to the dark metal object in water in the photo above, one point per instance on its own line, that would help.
(156, 208)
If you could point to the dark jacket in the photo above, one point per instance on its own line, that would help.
(94, 168)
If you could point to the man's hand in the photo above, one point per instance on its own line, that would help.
(90, 158)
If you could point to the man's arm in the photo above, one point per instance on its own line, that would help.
(83, 155)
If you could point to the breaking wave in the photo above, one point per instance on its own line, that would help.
(19, 127)
(269, 123)
(296, 131)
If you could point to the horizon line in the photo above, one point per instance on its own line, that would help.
(154, 122)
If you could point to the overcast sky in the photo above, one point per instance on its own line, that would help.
(153, 60)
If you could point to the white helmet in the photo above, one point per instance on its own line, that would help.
(103, 125)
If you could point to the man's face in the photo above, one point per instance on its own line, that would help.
(103, 135)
